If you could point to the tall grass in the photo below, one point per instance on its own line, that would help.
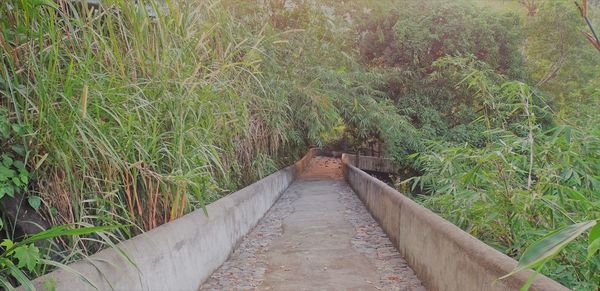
(133, 116)
(139, 113)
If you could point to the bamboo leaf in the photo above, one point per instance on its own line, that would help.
(546, 248)
(20, 277)
(64, 230)
(594, 240)
(5, 284)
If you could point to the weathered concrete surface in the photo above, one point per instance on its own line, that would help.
(441, 254)
(318, 236)
(365, 163)
(374, 164)
(182, 254)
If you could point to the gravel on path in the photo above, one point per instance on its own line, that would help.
(251, 267)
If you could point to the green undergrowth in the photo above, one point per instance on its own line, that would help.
(506, 109)
(136, 114)
(528, 179)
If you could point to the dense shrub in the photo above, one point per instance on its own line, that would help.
(559, 59)
(408, 42)
(137, 112)
(142, 112)
(526, 180)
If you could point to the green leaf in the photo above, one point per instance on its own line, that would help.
(46, 3)
(4, 130)
(21, 278)
(546, 248)
(24, 179)
(61, 230)
(19, 149)
(19, 130)
(594, 240)
(594, 233)
(576, 178)
(566, 174)
(28, 256)
(5, 284)
(19, 165)
(593, 247)
(17, 181)
(574, 194)
(34, 201)
(8, 190)
(6, 172)
(7, 244)
(7, 161)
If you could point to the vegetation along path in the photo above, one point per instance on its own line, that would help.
(318, 235)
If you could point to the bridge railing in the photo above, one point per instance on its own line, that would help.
(443, 256)
(182, 254)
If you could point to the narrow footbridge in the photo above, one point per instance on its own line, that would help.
(318, 235)
(320, 224)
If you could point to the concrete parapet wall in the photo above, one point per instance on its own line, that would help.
(442, 255)
(365, 163)
(182, 254)
(327, 153)
(374, 164)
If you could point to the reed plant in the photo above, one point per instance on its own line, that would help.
(139, 112)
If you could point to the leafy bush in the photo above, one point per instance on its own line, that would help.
(524, 182)
(18, 259)
(559, 59)
(409, 41)
(138, 112)
(141, 112)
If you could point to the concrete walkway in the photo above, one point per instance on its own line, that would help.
(318, 236)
